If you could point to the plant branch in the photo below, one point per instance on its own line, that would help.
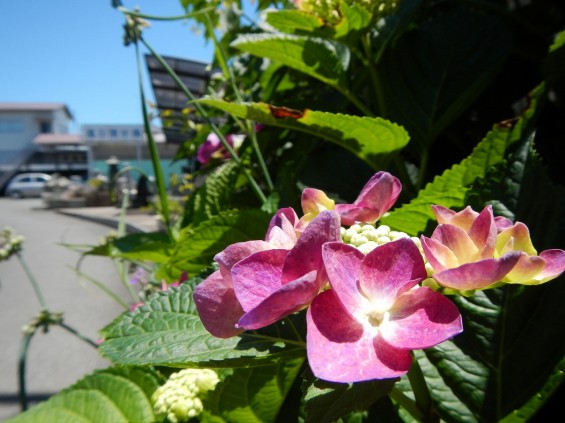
(33, 281)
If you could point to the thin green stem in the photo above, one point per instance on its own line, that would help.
(407, 403)
(254, 185)
(356, 102)
(22, 370)
(33, 281)
(298, 336)
(249, 126)
(78, 334)
(377, 84)
(165, 18)
(102, 287)
(273, 339)
(159, 180)
(420, 389)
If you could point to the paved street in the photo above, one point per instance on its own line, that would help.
(56, 359)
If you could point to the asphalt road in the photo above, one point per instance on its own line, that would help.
(56, 359)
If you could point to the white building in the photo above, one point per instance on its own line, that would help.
(35, 137)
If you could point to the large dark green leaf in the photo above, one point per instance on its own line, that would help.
(113, 395)
(253, 394)
(452, 188)
(327, 402)
(373, 140)
(434, 72)
(167, 331)
(511, 356)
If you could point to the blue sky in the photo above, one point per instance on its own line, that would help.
(71, 51)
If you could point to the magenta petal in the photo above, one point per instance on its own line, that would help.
(380, 192)
(483, 232)
(421, 318)
(217, 306)
(237, 252)
(307, 253)
(257, 277)
(391, 269)
(342, 264)
(339, 350)
(350, 214)
(289, 298)
(281, 232)
(555, 260)
(477, 275)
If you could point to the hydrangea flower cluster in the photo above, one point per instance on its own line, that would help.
(180, 397)
(10, 243)
(368, 290)
(328, 10)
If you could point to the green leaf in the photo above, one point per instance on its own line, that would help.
(554, 64)
(213, 195)
(167, 331)
(197, 246)
(453, 186)
(373, 140)
(112, 395)
(315, 57)
(328, 402)
(434, 73)
(252, 395)
(294, 22)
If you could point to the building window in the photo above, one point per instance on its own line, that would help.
(90, 133)
(45, 127)
(113, 133)
(11, 126)
(136, 133)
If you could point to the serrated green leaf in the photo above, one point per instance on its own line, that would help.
(111, 395)
(294, 22)
(167, 331)
(433, 73)
(212, 196)
(315, 57)
(371, 139)
(197, 246)
(252, 395)
(327, 402)
(452, 187)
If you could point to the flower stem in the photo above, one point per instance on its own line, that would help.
(421, 391)
(33, 281)
(407, 403)
(78, 334)
(254, 185)
(22, 370)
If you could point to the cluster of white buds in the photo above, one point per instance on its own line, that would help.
(367, 237)
(180, 397)
(10, 243)
(328, 10)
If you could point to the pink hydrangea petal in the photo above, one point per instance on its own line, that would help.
(342, 263)
(314, 201)
(438, 255)
(526, 270)
(421, 318)
(380, 192)
(502, 223)
(350, 214)
(516, 237)
(237, 252)
(307, 253)
(257, 277)
(463, 219)
(376, 198)
(477, 275)
(218, 306)
(391, 269)
(340, 350)
(483, 233)
(290, 298)
(458, 241)
(281, 232)
(555, 264)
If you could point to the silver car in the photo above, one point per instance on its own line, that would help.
(27, 185)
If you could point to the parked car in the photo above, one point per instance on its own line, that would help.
(27, 185)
